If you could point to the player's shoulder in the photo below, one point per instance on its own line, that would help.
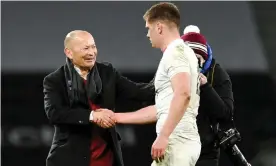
(183, 50)
(180, 47)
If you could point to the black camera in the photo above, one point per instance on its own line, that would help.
(227, 141)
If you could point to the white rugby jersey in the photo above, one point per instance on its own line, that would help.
(178, 57)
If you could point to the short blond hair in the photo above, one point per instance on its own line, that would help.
(163, 11)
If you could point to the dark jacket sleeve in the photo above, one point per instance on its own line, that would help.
(128, 89)
(57, 108)
(218, 100)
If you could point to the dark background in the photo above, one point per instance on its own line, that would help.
(32, 33)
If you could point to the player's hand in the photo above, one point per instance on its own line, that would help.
(202, 79)
(104, 118)
(158, 148)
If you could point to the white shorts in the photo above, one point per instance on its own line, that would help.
(180, 152)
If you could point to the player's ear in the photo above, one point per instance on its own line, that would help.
(159, 27)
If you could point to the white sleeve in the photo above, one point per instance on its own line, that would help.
(177, 62)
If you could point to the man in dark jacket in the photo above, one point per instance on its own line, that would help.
(216, 97)
(79, 98)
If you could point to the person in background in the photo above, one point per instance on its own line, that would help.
(216, 97)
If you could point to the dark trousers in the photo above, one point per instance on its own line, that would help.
(207, 162)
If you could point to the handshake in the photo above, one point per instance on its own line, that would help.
(104, 118)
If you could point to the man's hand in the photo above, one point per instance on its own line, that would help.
(104, 118)
(158, 148)
(203, 79)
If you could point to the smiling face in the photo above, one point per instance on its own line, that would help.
(81, 49)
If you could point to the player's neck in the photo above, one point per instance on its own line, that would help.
(168, 39)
